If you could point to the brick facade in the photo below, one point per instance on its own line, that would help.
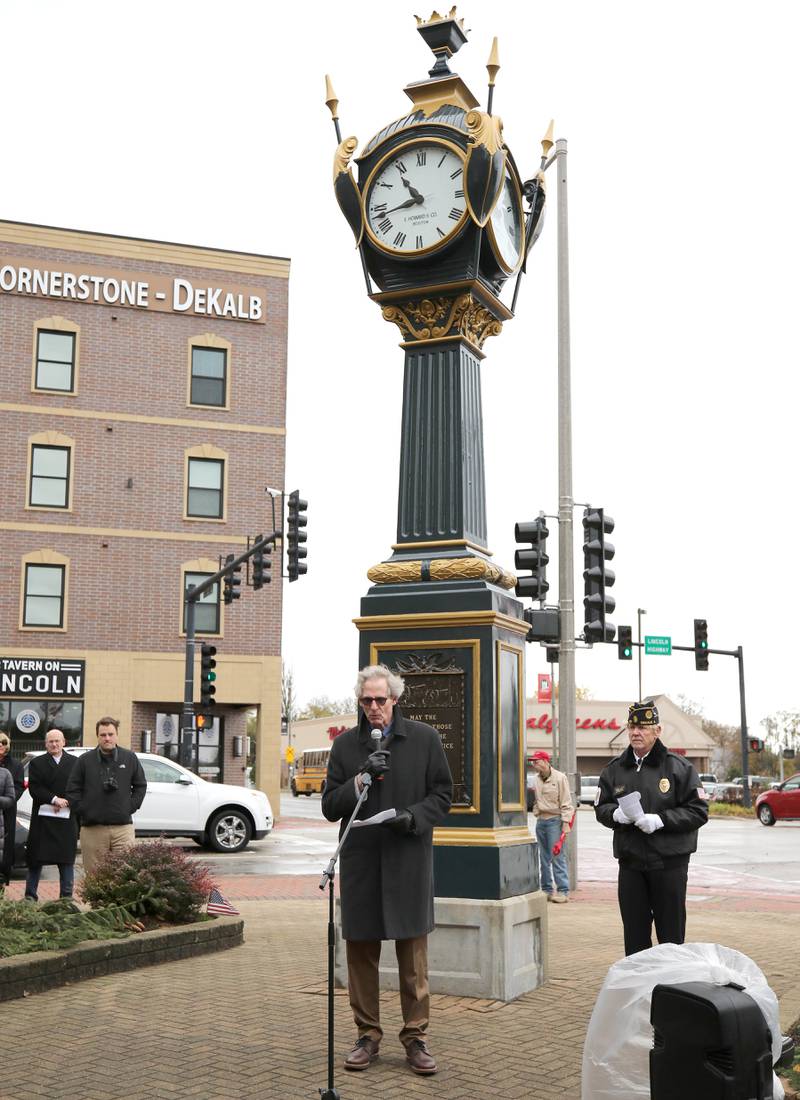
(129, 425)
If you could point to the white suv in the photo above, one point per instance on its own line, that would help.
(180, 803)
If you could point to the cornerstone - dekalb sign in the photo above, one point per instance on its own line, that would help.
(38, 676)
(134, 290)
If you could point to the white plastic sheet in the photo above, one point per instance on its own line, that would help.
(616, 1054)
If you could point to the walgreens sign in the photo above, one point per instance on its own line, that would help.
(545, 723)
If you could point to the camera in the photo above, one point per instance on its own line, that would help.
(110, 784)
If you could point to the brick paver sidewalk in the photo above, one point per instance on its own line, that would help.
(251, 1022)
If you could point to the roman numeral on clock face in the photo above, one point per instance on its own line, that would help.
(456, 174)
(379, 208)
(422, 157)
(401, 168)
(385, 225)
(419, 241)
(455, 213)
(458, 194)
(399, 240)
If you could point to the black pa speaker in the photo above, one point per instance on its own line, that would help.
(710, 1042)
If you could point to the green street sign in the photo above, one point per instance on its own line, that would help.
(658, 645)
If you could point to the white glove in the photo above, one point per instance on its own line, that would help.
(621, 817)
(648, 823)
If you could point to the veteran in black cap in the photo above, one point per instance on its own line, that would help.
(654, 834)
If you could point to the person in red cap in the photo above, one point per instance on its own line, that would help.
(553, 809)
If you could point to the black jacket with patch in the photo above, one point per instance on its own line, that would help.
(669, 787)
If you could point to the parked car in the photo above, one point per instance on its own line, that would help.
(728, 792)
(179, 803)
(709, 781)
(764, 781)
(589, 789)
(782, 804)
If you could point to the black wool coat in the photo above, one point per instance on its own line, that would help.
(670, 787)
(51, 839)
(16, 771)
(387, 878)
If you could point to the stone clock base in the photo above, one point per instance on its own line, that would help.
(494, 950)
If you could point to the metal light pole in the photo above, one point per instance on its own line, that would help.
(566, 579)
(639, 612)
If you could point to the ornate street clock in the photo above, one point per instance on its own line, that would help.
(443, 221)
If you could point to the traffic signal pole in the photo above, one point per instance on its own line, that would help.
(187, 742)
(568, 760)
(738, 653)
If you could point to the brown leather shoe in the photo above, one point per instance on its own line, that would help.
(363, 1053)
(419, 1058)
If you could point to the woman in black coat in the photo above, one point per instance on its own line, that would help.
(14, 768)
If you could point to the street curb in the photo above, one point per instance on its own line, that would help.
(21, 975)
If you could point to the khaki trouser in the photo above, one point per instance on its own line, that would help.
(98, 840)
(363, 957)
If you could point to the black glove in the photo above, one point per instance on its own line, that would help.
(402, 824)
(376, 763)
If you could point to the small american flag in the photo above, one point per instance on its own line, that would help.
(220, 905)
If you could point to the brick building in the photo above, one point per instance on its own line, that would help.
(142, 393)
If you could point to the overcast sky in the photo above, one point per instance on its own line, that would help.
(205, 123)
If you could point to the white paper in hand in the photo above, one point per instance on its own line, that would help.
(632, 805)
(48, 810)
(376, 819)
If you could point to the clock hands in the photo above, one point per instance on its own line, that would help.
(404, 205)
(415, 194)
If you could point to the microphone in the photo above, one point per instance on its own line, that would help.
(377, 737)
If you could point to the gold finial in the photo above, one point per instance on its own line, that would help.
(493, 64)
(435, 17)
(547, 140)
(331, 102)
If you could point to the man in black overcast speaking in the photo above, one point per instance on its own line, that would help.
(387, 869)
(653, 836)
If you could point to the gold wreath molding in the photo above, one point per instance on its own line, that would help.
(441, 569)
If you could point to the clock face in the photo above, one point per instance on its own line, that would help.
(415, 198)
(506, 224)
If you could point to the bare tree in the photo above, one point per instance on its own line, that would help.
(288, 697)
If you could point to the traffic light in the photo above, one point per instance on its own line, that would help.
(701, 645)
(207, 676)
(296, 520)
(261, 566)
(625, 643)
(535, 558)
(756, 744)
(232, 582)
(596, 576)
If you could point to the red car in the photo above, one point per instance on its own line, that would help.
(780, 804)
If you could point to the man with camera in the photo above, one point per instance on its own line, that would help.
(106, 788)
(387, 868)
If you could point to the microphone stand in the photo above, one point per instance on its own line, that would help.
(331, 1093)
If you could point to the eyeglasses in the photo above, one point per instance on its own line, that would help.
(368, 700)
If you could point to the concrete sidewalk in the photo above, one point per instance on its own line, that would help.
(251, 1022)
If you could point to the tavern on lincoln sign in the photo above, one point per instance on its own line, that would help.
(24, 677)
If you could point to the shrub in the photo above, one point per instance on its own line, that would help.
(56, 925)
(153, 879)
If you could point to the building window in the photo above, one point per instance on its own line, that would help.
(55, 361)
(204, 498)
(49, 486)
(206, 610)
(44, 595)
(209, 377)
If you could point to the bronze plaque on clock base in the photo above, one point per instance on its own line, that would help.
(459, 647)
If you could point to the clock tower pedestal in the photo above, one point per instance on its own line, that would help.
(437, 215)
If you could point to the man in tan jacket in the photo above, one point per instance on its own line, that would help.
(553, 809)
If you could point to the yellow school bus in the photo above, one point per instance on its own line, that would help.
(309, 775)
